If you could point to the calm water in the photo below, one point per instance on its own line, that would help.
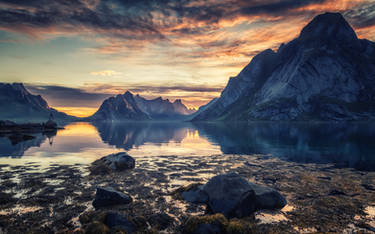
(344, 145)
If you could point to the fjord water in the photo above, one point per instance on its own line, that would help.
(342, 144)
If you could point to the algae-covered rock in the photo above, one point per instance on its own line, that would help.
(111, 163)
(96, 227)
(205, 224)
(119, 222)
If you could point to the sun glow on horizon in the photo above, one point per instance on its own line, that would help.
(77, 111)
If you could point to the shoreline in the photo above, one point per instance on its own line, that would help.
(320, 197)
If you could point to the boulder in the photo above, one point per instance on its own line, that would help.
(195, 195)
(119, 222)
(231, 195)
(110, 197)
(267, 198)
(160, 221)
(113, 162)
(234, 196)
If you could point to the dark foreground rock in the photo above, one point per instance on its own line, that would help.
(110, 197)
(230, 195)
(234, 196)
(267, 198)
(111, 163)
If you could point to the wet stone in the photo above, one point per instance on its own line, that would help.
(109, 197)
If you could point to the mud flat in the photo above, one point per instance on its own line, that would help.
(321, 198)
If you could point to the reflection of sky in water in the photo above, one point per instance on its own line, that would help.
(345, 145)
(81, 143)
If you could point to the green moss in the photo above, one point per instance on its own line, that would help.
(193, 223)
(96, 228)
(91, 216)
(238, 226)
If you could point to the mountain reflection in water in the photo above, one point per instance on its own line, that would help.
(343, 144)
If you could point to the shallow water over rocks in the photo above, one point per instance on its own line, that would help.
(307, 187)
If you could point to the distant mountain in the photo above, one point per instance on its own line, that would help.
(327, 73)
(159, 108)
(18, 104)
(120, 107)
(129, 107)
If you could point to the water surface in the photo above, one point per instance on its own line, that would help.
(342, 144)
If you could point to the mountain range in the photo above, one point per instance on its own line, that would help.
(326, 73)
(18, 104)
(129, 107)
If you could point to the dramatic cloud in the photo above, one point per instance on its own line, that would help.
(67, 97)
(172, 48)
(124, 26)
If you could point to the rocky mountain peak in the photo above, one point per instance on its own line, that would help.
(25, 106)
(177, 101)
(332, 26)
(19, 86)
(128, 94)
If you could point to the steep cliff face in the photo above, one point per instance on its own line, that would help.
(18, 104)
(326, 73)
(250, 79)
(120, 107)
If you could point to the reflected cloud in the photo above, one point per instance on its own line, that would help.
(341, 144)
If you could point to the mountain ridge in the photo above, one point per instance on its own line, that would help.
(127, 106)
(18, 104)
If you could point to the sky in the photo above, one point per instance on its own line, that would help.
(76, 53)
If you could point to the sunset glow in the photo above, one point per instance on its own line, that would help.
(77, 55)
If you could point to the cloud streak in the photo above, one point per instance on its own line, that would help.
(91, 96)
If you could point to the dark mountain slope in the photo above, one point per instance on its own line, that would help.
(18, 104)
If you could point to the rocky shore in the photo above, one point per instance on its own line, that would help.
(59, 198)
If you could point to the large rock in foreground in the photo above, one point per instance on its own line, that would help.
(230, 195)
(110, 197)
(234, 196)
(113, 162)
